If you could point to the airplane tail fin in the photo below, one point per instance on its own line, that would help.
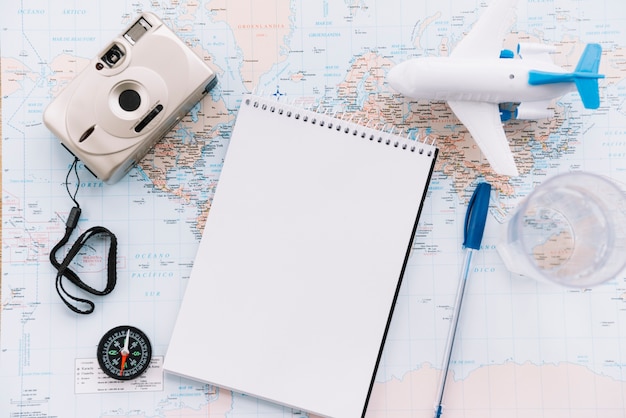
(585, 76)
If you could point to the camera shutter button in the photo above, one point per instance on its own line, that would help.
(130, 100)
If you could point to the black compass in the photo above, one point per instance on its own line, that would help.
(124, 352)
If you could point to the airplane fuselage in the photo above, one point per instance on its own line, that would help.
(493, 81)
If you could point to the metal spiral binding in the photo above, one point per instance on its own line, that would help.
(322, 120)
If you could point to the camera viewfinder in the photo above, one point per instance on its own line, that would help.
(113, 56)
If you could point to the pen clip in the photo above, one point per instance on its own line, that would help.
(476, 216)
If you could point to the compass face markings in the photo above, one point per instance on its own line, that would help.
(111, 352)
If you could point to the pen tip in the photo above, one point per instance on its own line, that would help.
(438, 412)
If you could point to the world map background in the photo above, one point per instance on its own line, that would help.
(524, 349)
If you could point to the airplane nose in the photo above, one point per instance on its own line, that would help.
(396, 77)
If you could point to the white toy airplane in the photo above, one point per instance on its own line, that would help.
(479, 76)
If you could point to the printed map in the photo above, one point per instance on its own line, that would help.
(523, 350)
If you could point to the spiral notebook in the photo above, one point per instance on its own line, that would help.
(300, 263)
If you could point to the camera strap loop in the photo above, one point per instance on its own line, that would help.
(63, 269)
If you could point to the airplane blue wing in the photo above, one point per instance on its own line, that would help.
(482, 120)
(485, 39)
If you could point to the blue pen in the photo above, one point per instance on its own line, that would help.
(475, 219)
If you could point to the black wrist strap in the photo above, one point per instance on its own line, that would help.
(63, 269)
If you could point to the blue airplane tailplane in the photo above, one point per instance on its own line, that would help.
(589, 61)
(538, 78)
(589, 92)
(585, 76)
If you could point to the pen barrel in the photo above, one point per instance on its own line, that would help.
(453, 326)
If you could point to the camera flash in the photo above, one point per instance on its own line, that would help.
(137, 31)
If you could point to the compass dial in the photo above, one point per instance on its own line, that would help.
(124, 352)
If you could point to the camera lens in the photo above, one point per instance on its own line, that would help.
(112, 56)
(130, 100)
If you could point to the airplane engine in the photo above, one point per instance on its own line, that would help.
(529, 49)
(530, 113)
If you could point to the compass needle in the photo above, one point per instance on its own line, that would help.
(124, 353)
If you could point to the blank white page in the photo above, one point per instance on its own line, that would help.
(301, 259)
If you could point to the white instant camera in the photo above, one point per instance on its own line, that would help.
(128, 98)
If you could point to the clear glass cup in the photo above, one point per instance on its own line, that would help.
(570, 230)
